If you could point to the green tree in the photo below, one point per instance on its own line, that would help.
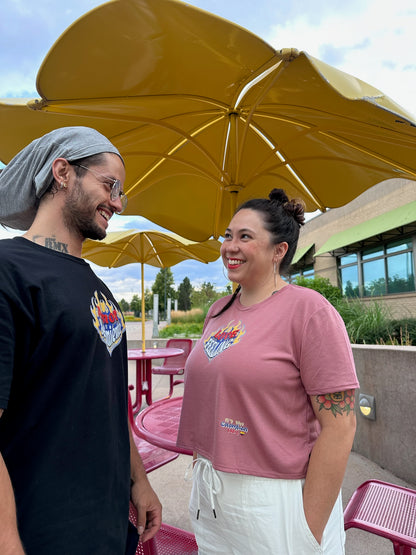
(135, 305)
(184, 294)
(124, 305)
(228, 290)
(163, 286)
(204, 296)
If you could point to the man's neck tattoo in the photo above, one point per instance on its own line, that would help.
(51, 243)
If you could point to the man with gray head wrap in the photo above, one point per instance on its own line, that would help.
(28, 176)
(68, 467)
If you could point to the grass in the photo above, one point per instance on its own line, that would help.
(185, 323)
(181, 330)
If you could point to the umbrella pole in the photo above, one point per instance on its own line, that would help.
(143, 312)
(234, 195)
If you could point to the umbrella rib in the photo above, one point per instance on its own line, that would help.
(121, 248)
(275, 151)
(187, 138)
(57, 106)
(333, 137)
(183, 161)
(155, 252)
(286, 55)
(369, 153)
(248, 86)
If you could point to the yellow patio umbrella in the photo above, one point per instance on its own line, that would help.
(157, 248)
(207, 115)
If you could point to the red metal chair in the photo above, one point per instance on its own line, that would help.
(153, 457)
(168, 541)
(174, 366)
(386, 510)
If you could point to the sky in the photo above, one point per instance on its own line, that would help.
(371, 39)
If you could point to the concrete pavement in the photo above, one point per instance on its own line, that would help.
(174, 491)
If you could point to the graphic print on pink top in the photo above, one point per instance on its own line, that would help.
(223, 338)
(247, 366)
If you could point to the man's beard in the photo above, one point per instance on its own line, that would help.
(79, 215)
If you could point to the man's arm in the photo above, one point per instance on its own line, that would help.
(10, 543)
(329, 457)
(149, 508)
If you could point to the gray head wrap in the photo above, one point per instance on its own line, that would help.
(29, 174)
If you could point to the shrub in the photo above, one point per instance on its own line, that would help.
(131, 318)
(322, 285)
(182, 330)
(403, 332)
(366, 323)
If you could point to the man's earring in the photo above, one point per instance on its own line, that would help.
(62, 185)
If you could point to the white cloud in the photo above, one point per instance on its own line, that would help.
(6, 233)
(376, 45)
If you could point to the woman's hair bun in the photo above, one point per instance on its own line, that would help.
(294, 207)
(278, 195)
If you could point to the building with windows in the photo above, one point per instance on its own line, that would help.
(366, 247)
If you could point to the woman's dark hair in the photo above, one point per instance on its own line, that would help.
(282, 219)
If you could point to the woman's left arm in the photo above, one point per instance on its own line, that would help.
(329, 456)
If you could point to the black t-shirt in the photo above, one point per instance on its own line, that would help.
(63, 385)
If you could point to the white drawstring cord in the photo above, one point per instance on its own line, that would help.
(208, 476)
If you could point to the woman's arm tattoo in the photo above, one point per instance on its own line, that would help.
(338, 403)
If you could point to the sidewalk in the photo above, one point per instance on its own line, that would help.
(134, 330)
(173, 491)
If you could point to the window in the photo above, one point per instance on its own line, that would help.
(382, 270)
(307, 272)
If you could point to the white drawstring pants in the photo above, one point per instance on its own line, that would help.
(248, 515)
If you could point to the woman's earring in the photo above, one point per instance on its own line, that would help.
(275, 274)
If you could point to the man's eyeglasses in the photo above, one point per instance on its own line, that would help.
(114, 184)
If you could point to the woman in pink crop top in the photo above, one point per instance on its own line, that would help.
(269, 400)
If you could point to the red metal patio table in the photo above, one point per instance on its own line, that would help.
(158, 424)
(144, 371)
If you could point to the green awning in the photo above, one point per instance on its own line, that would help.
(300, 253)
(399, 217)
